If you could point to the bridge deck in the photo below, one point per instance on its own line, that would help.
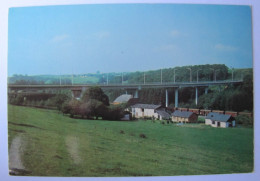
(130, 86)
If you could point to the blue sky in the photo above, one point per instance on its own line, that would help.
(127, 37)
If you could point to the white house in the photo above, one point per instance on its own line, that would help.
(144, 110)
(220, 120)
(150, 111)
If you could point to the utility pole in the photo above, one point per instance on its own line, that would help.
(174, 75)
(214, 74)
(198, 75)
(122, 78)
(107, 78)
(144, 77)
(72, 81)
(190, 74)
(232, 73)
(161, 76)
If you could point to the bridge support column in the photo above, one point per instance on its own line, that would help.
(176, 97)
(125, 91)
(206, 90)
(136, 94)
(196, 96)
(166, 98)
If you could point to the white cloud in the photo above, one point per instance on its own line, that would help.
(59, 38)
(102, 34)
(227, 48)
(175, 33)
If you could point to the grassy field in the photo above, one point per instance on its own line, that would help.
(50, 144)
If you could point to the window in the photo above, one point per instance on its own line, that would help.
(213, 122)
(142, 109)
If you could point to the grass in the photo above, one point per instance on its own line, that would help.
(56, 145)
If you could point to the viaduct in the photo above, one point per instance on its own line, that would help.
(78, 89)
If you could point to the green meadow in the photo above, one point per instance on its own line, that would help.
(51, 144)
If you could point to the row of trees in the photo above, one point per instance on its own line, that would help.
(43, 100)
(180, 74)
(94, 104)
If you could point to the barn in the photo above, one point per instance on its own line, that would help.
(219, 120)
(145, 110)
(184, 116)
(162, 114)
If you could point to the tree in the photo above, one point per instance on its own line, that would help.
(74, 107)
(59, 99)
(95, 93)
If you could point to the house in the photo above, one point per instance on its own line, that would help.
(162, 114)
(145, 110)
(219, 120)
(184, 116)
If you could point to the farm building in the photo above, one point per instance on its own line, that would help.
(219, 120)
(184, 116)
(145, 110)
(162, 114)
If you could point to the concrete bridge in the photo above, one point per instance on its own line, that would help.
(78, 89)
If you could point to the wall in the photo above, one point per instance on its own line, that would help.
(137, 112)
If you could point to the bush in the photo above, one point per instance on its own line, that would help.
(113, 113)
(201, 120)
(142, 135)
(244, 120)
(18, 100)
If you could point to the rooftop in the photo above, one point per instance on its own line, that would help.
(163, 113)
(218, 117)
(123, 98)
(183, 114)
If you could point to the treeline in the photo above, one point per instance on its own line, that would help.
(94, 104)
(41, 100)
(19, 79)
(181, 74)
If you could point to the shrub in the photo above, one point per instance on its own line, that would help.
(244, 120)
(142, 135)
(113, 113)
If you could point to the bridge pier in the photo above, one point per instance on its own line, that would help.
(176, 97)
(206, 90)
(166, 98)
(136, 93)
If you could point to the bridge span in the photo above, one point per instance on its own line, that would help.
(77, 89)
